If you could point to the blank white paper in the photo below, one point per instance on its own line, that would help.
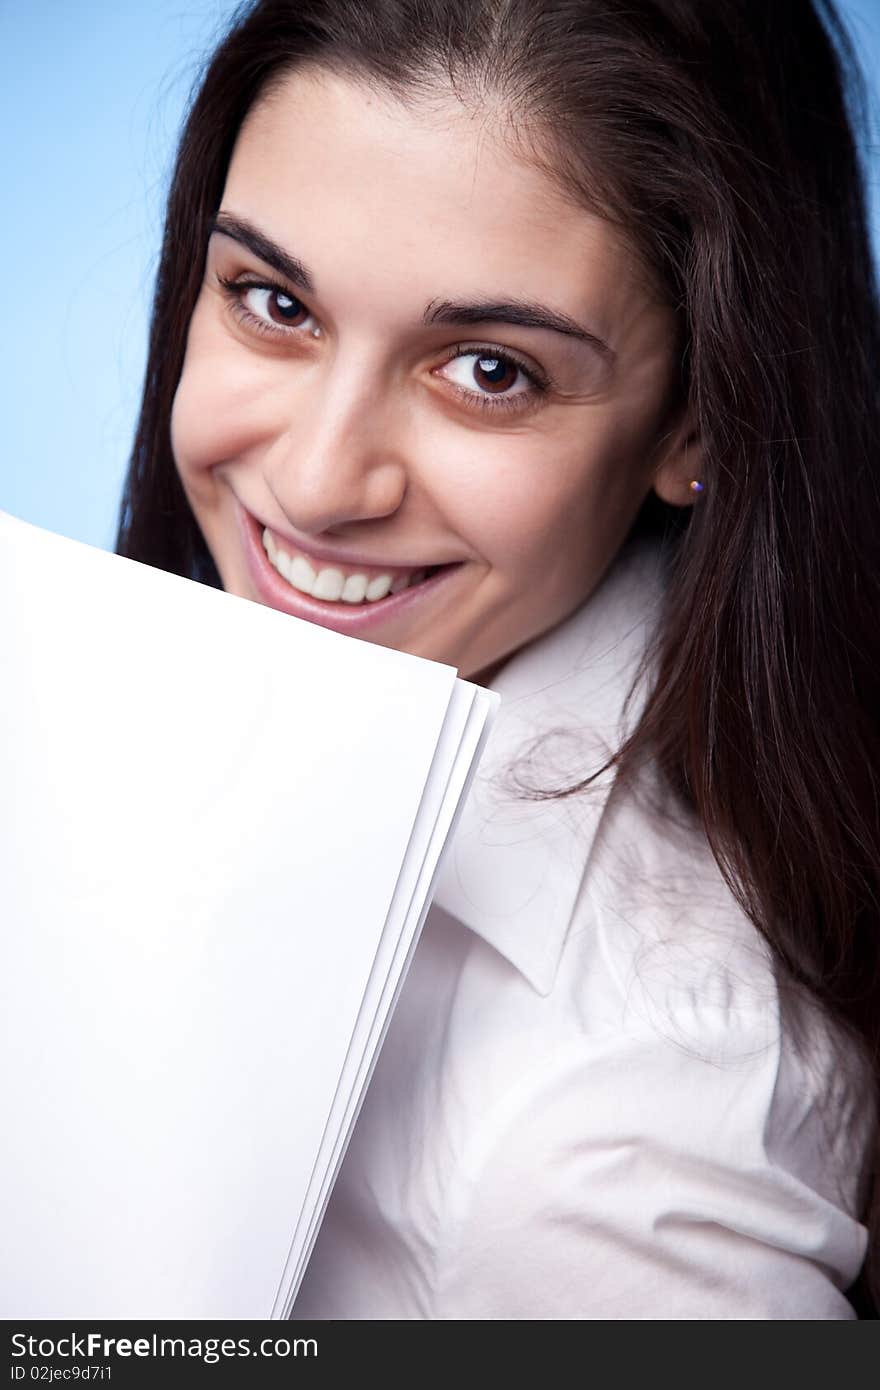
(220, 826)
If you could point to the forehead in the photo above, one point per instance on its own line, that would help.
(432, 199)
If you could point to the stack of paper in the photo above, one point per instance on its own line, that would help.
(219, 835)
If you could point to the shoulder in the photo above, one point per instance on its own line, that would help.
(675, 1150)
(668, 929)
(701, 1011)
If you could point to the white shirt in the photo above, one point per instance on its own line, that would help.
(585, 1105)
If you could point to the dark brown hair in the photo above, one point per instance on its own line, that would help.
(720, 137)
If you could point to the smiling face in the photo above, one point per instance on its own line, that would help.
(410, 351)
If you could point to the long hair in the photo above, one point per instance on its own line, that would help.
(722, 139)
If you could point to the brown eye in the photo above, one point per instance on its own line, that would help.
(276, 306)
(495, 373)
(283, 307)
(491, 378)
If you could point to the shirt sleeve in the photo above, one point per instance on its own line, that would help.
(677, 1174)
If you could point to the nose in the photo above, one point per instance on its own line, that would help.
(339, 456)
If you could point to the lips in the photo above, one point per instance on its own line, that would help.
(320, 558)
(329, 581)
(357, 619)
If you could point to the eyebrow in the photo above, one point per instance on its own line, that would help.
(249, 236)
(519, 312)
(522, 313)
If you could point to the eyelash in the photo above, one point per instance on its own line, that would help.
(540, 384)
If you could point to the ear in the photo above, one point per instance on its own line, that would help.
(680, 463)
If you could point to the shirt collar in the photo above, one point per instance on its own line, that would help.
(514, 869)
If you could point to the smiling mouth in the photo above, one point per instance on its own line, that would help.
(332, 584)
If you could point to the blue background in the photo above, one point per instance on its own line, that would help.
(91, 97)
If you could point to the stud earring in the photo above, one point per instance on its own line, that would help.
(695, 485)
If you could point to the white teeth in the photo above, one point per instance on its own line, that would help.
(378, 587)
(331, 584)
(299, 572)
(355, 588)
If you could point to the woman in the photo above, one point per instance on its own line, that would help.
(572, 303)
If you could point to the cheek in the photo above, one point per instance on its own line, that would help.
(186, 442)
(527, 501)
(199, 428)
(193, 421)
(217, 414)
(220, 407)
